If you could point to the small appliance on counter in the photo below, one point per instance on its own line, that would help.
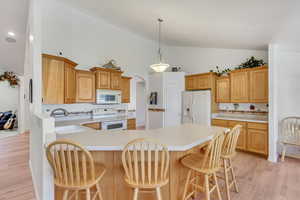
(106, 97)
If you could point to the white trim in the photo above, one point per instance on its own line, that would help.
(34, 182)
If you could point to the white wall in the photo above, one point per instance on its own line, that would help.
(201, 60)
(141, 103)
(9, 96)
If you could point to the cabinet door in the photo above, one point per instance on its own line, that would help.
(103, 80)
(242, 141)
(131, 124)
(259, 85)
(258, 141)
(190, 83)
(219, 122)
(85, 82)
(53, 81)
(125, 89)
(202, 82)
(115, 80)
(223, 90)
(239, 87)
(70, 84)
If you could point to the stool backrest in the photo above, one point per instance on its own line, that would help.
(290, 130)
(145, 161)
(72, 164)
(213, 152)
(231, 140)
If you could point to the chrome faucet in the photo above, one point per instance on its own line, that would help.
(54, 112)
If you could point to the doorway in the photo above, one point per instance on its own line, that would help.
(141, 102)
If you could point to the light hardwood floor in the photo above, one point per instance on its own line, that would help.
(15, 177)
(258, 179)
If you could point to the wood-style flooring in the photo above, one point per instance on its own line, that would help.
(15, 177)
(257, 178)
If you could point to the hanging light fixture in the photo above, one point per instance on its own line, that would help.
(159, 67)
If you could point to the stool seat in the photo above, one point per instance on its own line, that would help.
(195, 161)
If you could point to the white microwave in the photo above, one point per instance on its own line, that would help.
(108, 97)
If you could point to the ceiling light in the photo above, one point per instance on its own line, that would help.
(31, 38)
(11, 34)
(160, 67)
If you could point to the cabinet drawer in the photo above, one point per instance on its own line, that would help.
(96, 125)
(259, 126)
(231, 124)
(219, 122)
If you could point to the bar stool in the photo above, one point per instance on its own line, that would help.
(146, 165)
(206, 165)
(74, 169)
(228, 153)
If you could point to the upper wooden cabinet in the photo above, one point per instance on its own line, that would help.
(107, 78)
(259, 87)
(70, 83)
(85, 82)
(58, 75)
(125, 89)
(223, 89)
(239, 86)
(199, 81)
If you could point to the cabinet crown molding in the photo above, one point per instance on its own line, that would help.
(66, 60)
(94, 69)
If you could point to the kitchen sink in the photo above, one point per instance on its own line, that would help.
(69, 129)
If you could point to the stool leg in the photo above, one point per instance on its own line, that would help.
(66, 193)
(99, 191)
(206, 183)
(77, 195)
(226, 178)
(283, 152)
(217, 186)
(135, 195)
(88, 194)
(233, 176)
(158, 193)
(186, 186)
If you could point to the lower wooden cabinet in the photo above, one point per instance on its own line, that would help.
(131, 124)
(253, 137)
(125, 89)
(95, 125)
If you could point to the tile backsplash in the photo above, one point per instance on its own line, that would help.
(47, 108)
(258, 107)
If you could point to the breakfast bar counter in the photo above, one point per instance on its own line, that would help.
(106, 147)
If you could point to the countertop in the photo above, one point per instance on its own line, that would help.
(241, 117)
(177, 138)
(81, 121)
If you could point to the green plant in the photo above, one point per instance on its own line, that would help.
(221, 72)
(251, 62)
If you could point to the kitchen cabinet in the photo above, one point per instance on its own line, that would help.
(102, 80)
(259, 89)
(242, 140)
(258, 138)
(125, 89)
(239, 86)
(131, 124)
(70, 84)
(199, 81)
(85, 82)
(115, 80)
(223, 89)
(253, 136)
(109, 79)
(94, 125)
(58, 76)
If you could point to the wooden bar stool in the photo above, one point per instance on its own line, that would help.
(228, 153)
(206, 165)
(74, 169)
(146, 165)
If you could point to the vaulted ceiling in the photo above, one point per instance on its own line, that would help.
(13, 15)
(248, 24)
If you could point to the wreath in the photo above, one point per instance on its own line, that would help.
(11, 77)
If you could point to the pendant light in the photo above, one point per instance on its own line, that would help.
(159, 67)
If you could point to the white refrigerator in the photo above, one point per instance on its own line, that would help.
(165, 109)
(196, 107)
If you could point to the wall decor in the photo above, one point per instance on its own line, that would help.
(111, 64)
(11, 77)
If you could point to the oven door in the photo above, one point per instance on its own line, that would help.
(115, 125)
